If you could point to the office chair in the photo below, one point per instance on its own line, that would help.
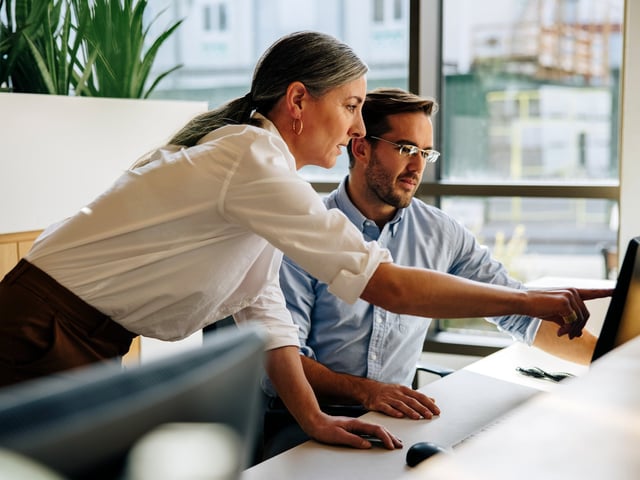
(429, 367)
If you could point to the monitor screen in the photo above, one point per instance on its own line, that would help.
(622, 321)
(83, 424)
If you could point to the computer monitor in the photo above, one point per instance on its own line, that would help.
(82, 425)
(622, 321)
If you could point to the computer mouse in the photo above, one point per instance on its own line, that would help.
(420, 451)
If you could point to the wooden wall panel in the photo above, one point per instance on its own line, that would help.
(13, 246)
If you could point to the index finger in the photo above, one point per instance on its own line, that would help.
(368, 431)
(591, 293)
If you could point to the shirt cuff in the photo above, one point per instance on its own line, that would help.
(285, 335)
(349, 285)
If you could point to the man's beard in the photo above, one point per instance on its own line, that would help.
(383, 186)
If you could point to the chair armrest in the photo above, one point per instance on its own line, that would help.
(434, 368)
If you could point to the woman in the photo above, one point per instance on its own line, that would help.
(194, 233)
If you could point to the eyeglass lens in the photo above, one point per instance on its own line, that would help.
(411, 150)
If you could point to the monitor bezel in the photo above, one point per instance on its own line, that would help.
(607, 339)
(82, 424)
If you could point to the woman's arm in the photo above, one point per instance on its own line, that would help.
(285, 372)
(429, 293)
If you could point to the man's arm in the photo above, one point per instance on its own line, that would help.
(391, 399)
(301, 290)
(476, 263)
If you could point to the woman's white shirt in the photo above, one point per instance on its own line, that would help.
(196, 235)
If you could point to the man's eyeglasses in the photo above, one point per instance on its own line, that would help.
(429, 155)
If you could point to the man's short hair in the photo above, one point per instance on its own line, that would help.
(380, 103)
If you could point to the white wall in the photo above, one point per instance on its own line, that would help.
(57, 153)
(630, 128)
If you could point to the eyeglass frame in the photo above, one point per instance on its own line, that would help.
(428, 154)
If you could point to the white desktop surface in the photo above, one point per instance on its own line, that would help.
(502, 365)
(313, 460)
(588, 430)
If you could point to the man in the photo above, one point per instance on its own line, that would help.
(363, 355)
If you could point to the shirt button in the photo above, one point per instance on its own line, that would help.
(374, 356)
(378, 320)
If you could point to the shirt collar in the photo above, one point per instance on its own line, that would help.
(344, 203)
(266, 123)
(269, 126)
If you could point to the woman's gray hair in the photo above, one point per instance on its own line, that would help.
(320, 61)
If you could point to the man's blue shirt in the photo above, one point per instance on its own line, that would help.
(368, 341)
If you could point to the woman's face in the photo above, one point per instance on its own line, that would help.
(329, 122)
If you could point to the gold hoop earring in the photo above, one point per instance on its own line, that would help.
(293, 126)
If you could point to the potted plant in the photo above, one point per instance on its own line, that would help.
(97, 48)
(116, 36)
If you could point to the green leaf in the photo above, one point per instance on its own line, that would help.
(119, 34)
(95, 47)
(41, 64)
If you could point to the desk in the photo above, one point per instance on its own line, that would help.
(313, 460)
(588, 430)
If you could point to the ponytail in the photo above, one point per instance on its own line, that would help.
(294, 57)
(234, 112)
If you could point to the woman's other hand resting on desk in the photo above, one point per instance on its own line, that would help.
(348, 431)
(284, 363)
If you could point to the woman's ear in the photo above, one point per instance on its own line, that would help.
(296, 92)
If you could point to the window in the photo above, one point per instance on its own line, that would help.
(378, 11)
(532, 88)
(389, 11)
(215, 17)
(399, 9)
(218, 60)
(529, 94)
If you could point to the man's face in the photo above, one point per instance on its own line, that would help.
(391, 177)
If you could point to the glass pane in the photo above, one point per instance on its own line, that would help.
(530, 90)
(540, 237)
(471, 326)
(530, 94)
(220, 42)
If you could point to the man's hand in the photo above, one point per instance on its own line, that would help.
(397, 400)
(347, 431)
(394, 400)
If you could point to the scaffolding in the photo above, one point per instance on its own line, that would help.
(551, 40)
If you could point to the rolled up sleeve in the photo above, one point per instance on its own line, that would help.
(267, 196)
